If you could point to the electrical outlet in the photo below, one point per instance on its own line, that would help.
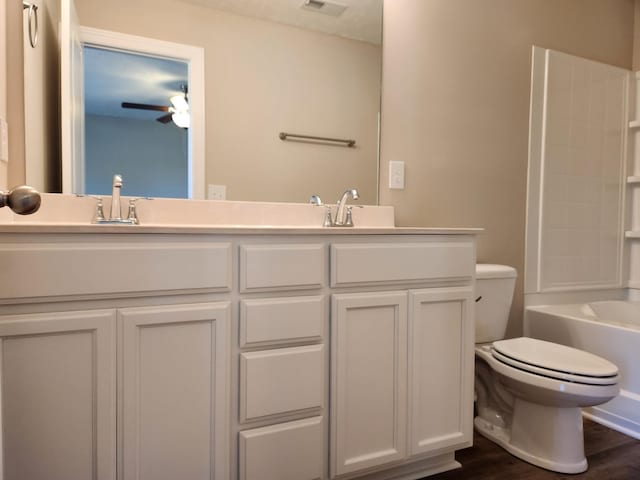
(4, 141)
(217, 192)
(396, 175)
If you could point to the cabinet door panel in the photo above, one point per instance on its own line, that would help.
(58, 396)
(440, 368)
(369, 355)
(174, 389)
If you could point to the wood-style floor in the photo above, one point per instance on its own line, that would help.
(611, 456)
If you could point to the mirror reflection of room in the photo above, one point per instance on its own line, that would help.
(134, 107)
(268, 70)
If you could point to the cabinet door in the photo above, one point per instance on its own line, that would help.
(58, 378)
(441, 333)
(369, 360)
(174, 388)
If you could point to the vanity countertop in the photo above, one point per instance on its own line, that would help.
(70, 214)
(228, 229)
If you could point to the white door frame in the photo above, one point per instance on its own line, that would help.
(194, 57)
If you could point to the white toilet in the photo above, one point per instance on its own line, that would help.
(529, 392)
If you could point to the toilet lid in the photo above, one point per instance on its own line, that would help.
(551, 359)
(562, 376)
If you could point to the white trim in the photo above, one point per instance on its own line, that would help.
(534, 167)
(194, 56)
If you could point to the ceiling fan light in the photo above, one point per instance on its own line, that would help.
(181, 119)
(179, 103)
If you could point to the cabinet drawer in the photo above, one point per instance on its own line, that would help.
(401, 262)
(129, 268)
(282, 267)
(280, 381)
(281, 320)
(288, 451)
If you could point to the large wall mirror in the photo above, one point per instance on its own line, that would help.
(297, 66)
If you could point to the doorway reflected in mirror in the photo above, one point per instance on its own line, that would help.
(130, 127)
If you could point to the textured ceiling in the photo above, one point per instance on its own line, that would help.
(362, 20)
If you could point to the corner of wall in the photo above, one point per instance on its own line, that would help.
(3, 83)
(15, 92)
(635, 60)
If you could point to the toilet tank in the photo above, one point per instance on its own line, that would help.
(494, 289)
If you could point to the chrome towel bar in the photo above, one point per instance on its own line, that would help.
(294, 137)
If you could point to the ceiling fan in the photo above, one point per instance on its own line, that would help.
(178, 111)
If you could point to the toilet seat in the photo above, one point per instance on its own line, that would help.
(555, 361)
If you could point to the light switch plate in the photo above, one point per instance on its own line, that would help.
(4, 141)
(396, 175)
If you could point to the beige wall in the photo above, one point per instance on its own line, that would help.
(455, 107)
(15, 94)
(636, 37)
(41, 105)
(263, 78)
(3, 83)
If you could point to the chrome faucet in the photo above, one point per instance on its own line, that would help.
(315, 200)
(341, 208)
(115, 213)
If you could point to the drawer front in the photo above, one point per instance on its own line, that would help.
(401, 262)
(282, 267)
(287, 451)
(281, 320)
(281, 381)
(70, 268)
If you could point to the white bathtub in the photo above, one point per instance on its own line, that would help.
(609, 329)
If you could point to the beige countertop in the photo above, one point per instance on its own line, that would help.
(228, 229)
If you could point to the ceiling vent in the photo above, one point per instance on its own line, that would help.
(325, 7)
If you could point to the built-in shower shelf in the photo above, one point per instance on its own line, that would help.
(633, 179)
(632, 234)
(634, 124)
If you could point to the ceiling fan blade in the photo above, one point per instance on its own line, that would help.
(165, 118)
(144, 106)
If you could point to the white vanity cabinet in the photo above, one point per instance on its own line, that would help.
(402, 360)
(263, 354)
(60, 387)
(121, 370)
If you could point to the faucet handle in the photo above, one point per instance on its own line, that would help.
(349, 220)
(99, 206)
(99, 209)
(328, 222)
(132, 217)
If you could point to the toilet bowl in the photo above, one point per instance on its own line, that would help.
(529, 392)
